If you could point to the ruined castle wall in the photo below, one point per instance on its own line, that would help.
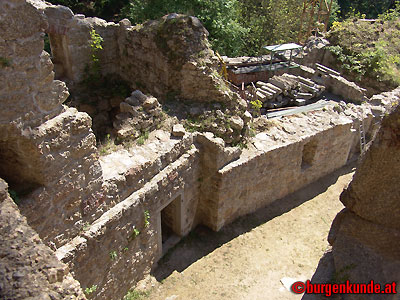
(47, 151)
(70, 42)
(169, 57)
(282, 166)
(80, 50)
(110, 254)
(72, 177)
(28, 268)
(97, 220)
(364, 235)
(122, 180)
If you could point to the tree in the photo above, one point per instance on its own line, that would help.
(371, 9)
(220, 17)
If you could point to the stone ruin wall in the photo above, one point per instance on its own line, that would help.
(47, 148)
(85, 215)
(170, 56)
(88, 254)
(364, 235)
(282, 167)
(26, 264)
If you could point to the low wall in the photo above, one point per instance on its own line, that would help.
(298, 151)
(111, 253)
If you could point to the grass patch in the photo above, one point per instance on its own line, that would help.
(142, 138)
(90, 290)
(108, 146)
(136, 295)
(113, 255)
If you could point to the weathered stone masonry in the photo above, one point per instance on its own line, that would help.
(93, 211)
(26, 264)
(47, 150)
(159, 56)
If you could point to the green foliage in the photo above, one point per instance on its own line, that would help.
(368, 8)
(256, 106)
(90, 290)
(113, 255)
(142, 138)
(366, 49)
(220, 17)
(236, 27)
(240, 145)
(95, 43)
(14, 196)
(107, 146)
(134, 234)
(4, 62)
(92, 70)
(136, 295)
(85, 226)
(105, 9)
(392, 14)
(47, 47)
(272, 22)
(146, 219)
(252, 132)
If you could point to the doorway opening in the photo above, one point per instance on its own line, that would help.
(170, 225)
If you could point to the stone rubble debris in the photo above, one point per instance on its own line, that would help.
(285, 90)
(139, 113)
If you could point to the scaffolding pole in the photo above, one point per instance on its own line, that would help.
(312, 16)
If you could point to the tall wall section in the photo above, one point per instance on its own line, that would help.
(47, 150)
(170, 57)
(28, 268)
(365, 235)
(49, 158)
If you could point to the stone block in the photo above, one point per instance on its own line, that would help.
(363, 250)
(178, 130)
(126, 108)
(236, 123)
(50, 99)
(150, 103)
(300, 102)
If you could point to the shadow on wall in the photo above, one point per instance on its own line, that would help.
(16, 168)
(203, 241)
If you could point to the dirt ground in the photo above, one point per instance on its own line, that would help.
(248, 259)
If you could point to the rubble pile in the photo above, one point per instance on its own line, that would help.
(139, 113)
(285, 90)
